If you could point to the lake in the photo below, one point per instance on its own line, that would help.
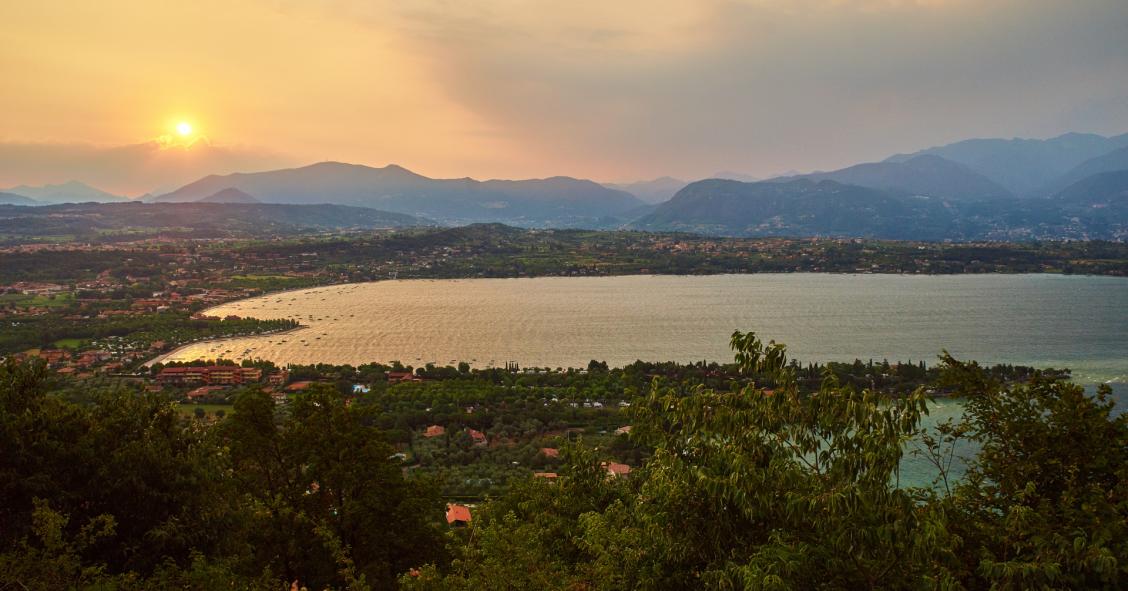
(1079, 322)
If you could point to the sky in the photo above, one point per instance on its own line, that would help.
(613, 91)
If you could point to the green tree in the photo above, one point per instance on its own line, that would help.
(750, 488)
(1045, 502)
(332, 506)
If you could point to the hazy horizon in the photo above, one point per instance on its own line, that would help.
(507, 89)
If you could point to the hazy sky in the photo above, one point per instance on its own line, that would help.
(611, 90)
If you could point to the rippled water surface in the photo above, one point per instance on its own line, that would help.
(1043, 320)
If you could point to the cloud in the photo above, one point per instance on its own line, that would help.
(127, 170)
(689, 87)
(614, 90)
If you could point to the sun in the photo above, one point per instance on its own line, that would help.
(184, 128)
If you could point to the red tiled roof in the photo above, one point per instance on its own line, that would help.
(456, 513)
(615, 469)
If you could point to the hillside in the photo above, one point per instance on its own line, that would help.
(1111, 162)
(131, 220)
(1106, 189)
(802, 207)
(927, 175)
(1023, 166)
(559, 201)
(806, 207)
(229, 195)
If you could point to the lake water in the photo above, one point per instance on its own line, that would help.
(1040, 320)
(1079, 322)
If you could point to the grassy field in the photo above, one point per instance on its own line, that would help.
(38, 301)
(189, 409)
(68, 343)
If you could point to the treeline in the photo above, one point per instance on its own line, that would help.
(173, 327)
(763, 484)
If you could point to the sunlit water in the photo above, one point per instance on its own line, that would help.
(1040, 320)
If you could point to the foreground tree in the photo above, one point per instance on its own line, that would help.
(330, 505)
(1045, 503)
(751, 488)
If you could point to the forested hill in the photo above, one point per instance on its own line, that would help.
(811, 207)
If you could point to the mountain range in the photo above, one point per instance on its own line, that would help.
(1026, 167)
(1063, 187)
(924, 175)
(1072, 186)
(556, 201)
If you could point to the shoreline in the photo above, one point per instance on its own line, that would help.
(160, 358)
(1096, 375)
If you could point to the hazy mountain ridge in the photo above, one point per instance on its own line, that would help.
(68, 192)
(14, 199)
(1109, 162)
(800, 207)
(1023, 166)
(926, 175)
(535, 202)
(652, 191)
(1099, 190)
(808, 207)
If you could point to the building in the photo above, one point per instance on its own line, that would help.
(434, 431)
(180, 376)
(615, 470)
(550, 452)
(458, 515)
(480, 439)
(226, 375)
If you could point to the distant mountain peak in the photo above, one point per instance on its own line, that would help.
(229, 195)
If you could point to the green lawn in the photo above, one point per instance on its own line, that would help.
(189, 409)
(28, 301)
(68, 343)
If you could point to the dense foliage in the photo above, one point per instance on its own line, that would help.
(774, 488)
(755, 483)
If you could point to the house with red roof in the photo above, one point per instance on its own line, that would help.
(457, 515)
(480, 439)
(615, 470)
